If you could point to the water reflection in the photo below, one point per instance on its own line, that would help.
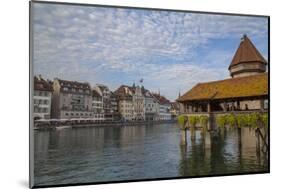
(139, 152)
(227, 152)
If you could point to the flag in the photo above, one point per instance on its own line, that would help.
(141, 80)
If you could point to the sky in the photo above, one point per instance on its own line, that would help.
(170, 51)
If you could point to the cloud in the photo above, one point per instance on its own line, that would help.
(81, 43)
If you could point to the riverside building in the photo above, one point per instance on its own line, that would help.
(138, 102)
(42, 98)
(97, 106)
(150, 106)
(71, 99)
(164, 107)
(109, 103)
(125, 102)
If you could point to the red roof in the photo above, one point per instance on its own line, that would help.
(161, 99)
(121, 93)
(246, 52)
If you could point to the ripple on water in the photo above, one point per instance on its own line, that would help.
(141, 152)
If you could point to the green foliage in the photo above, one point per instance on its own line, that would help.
(241, 120)
(192, 120)
(265, 120)
(221, 121)
(182, 119)
(254, 120)
(247, 119)
(204, 122)
(231, 120)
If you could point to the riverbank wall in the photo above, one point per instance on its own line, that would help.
(57, 125)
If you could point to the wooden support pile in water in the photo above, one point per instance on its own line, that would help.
(257, 121)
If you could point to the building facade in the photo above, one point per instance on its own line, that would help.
(150, 106)
(114, 107)
(71, 99)
(164, 107)
(125, 102)
(138, 102)
(175, 110)
(97, 106)
(104, 91)
(42, 98)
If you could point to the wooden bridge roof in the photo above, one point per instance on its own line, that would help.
(248, 86)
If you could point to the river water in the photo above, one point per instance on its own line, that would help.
(83, 155)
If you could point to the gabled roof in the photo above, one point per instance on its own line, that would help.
(95, 94)
(42, 85)
(146, 93)
(246, 52)
(132, 89)
(121, 93)
(102, 87)
(161, 99)
(248, 86)
(122, 90)
(74, 84)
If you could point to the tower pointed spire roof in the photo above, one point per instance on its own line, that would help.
(246, 52)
